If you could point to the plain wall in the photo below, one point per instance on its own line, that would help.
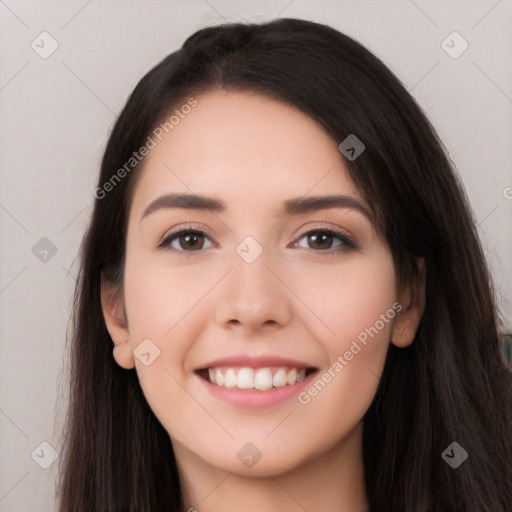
(56, 114)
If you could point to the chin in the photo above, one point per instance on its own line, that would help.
(249, 460)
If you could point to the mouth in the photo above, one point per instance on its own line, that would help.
(254, 379)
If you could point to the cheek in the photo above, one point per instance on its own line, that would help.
(159, 297)
(355, 306)
(167, 306)
(347, 298)
(162, 306)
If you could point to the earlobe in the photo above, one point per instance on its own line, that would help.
(115, 320)
(412, 300)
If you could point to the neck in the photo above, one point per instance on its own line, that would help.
(332, 482)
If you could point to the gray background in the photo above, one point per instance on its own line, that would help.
(56, 114)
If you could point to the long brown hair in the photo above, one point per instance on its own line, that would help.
(449, 385)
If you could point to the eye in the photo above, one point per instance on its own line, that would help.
(188, 240)
(322, 239)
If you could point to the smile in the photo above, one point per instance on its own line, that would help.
(255, 380)
(262, 379)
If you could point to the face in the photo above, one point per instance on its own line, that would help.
(289, 310)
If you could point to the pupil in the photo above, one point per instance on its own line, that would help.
(189, 239)
(315, 238)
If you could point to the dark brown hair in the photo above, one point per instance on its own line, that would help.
(449, 385)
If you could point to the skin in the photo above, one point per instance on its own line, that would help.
(302, 302)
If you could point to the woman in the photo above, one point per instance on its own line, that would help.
(288, 273)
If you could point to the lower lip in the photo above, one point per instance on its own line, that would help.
(256, 397)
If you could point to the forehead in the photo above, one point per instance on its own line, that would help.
(246, 148)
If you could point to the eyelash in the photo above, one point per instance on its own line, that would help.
(347, 243)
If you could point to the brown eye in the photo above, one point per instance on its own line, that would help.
(191, 241)
(187, 241)
(320, 240)
(323, 239)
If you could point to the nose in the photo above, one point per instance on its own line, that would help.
(253, 296)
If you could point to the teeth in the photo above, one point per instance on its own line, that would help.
(256, 378)
(219, 377)
(230, 380)
(245, 379)
(279, 379)
(263, 378)
(292, 377)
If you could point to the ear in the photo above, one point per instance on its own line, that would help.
(412, 300)
(115, 320)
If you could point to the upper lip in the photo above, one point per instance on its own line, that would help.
(261, 361)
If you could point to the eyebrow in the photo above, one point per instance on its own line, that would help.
(292, 206)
